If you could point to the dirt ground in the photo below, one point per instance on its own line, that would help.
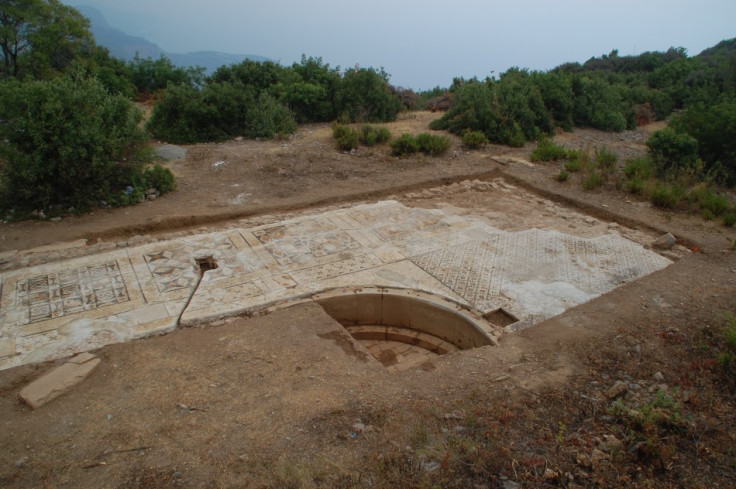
(623, 391)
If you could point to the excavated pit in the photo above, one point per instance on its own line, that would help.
(406, 328)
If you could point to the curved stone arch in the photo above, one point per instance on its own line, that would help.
(408, 316)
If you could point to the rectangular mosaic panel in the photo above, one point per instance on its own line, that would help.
(291, 245)
(71, 291)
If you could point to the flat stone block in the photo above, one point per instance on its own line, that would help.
(42, 391)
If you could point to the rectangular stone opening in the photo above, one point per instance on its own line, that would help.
(500, 318)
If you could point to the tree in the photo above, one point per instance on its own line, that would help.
(41, 38)
(364, 95)
(67, 141)
(150, 76)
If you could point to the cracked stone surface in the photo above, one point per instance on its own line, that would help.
(55, 310)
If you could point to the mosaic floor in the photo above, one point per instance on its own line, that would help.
(51, 311)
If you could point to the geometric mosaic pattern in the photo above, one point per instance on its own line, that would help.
(305, 240)
(397, 223)
(169, 270)
(71, 291)
(66, 307)
(478, 270)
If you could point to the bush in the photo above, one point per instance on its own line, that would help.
(594, 180)
(637, 186)
(713, 127)
(639, 168)
(605, 157)
(547, 150)
(346, 138)
(730, 218)
(219, 111)
(268, 118)
(364, 95)
(429, 144)
(474, 139)
(574, 165)
(67, 142)
(672, 152)
(432, 144)
(159, 178)
(666, 196)
(371, 136)
(563, 176)
(404, 145)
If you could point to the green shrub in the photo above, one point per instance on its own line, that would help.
(717, 204)
(637, 186)
(339, 129)
(563, 176)
(730, 218)
(404, 145)
(474, 139)
(268, 118)
(672, 152)
(594, 180)
(364, 95)
(639, 168)
(348, 140)
(573, 166)
(159, 178)
(433, 144)
(67, 142)
(713, 126)
(605, 157)
(547, 150)
(371, 136)
(576, 154)
(666, 196)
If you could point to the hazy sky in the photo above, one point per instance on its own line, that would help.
(425, 43)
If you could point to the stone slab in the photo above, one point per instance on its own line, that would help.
(55, 383)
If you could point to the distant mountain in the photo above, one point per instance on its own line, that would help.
(124, 46)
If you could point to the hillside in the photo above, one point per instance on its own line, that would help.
(125, 46)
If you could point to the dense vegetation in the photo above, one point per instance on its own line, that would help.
(53, 155)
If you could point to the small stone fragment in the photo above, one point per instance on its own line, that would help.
(665, 242)
(58, 381)
(617, 390)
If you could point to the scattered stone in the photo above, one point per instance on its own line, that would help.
(138, 240)
(617, 390)
(659, 377)
(610, 444)
(55, 219)
(358, 427)
(597, 457)
(151, 197)
(58, 381)
(454, 415)
(550, 474)
(665, 242)
(671, 255)
(151, 191)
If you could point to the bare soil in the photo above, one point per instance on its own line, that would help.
(623, 391)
